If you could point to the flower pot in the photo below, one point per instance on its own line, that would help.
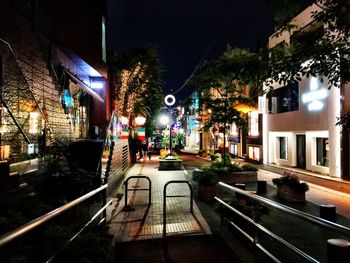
(289, 194)
(207, 192)
(238, 177)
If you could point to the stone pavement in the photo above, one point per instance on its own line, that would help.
(146, 222)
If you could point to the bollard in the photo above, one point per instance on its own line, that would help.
(261, 187)
(327, 212)
(338, 250)
(242, 187)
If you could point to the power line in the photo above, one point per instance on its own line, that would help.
(205, 54)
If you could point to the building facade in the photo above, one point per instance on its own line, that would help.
(300, 122)
(52, 79)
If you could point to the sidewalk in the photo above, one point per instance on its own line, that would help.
(146, 222)
(323, 189)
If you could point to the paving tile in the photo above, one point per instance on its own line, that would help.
(146, 222)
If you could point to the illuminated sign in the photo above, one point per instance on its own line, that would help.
(314, 98)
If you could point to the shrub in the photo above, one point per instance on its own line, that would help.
(206, 177)
(291, 180)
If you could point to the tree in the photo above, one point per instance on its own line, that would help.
(327, 53)
(219, 84)
(139, 84)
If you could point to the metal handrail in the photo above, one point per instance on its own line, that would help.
(265, 230)
(292, 211)
(102, 210)
(149, 189)
(165, 197)
(6, 238)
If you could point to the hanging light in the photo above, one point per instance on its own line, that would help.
(140, 120)
(124, 120)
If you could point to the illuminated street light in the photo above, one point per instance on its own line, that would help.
(164, 119)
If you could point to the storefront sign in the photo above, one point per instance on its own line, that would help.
(314, 99)
(261, 104)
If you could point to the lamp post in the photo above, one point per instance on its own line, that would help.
(170, 101)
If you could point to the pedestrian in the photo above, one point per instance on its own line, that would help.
(149, 150)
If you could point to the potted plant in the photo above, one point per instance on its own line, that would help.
(233, 172)
(207, 183)
(290, 188)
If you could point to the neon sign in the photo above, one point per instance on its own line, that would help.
(314, 98)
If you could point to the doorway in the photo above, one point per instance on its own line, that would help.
(301, 151)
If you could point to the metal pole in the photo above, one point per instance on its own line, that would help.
(170, 138)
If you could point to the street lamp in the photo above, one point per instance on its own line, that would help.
(169, 101)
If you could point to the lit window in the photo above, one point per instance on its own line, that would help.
(234, 130)
(254, 153)
(283, 147)
(322, 150)
(253, 123)
(234, 149)
(33, 122)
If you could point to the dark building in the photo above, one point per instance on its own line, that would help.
(53, 73)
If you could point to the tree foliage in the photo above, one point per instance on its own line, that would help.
(139, 84)
(220, 82)
(322, 53)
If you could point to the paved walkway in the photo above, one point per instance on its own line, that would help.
(146, 222)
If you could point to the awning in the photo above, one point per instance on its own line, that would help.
(85, 87)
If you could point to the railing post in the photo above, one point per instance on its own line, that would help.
(104, 202)
(128, 208)
(165, 196)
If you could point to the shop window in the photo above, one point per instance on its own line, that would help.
(234, 149)
(253, 123)
(322, 151)
(283, 147)
(254, 153)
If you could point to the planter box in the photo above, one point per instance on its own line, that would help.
(166, 165)
(238, 177)
(207, 192)
(289, 194)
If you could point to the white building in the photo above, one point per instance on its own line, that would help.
(299, 126)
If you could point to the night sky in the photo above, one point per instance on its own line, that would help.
(183, 31)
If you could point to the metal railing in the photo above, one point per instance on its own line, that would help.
(149, 189)
(165, 196)
(260, 228)
(14, 234)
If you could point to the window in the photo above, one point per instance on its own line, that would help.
(254, 153)
(284, 99)
(234, 130)
(283, 147)
(233, 149)
(322, 151)
(253, 123)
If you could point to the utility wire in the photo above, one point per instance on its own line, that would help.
(205, 54)
(199, 63)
